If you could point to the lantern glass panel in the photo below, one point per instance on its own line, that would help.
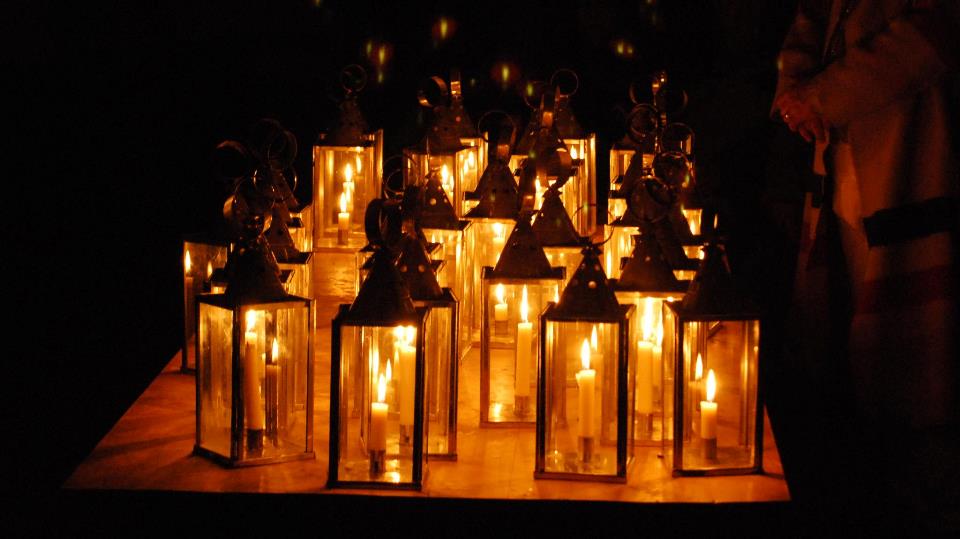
(377, 404)
(298, 282)
(619, 162)
(268, 367)
(510, 348)
(302, 235)
(582, 416)
(715, 415)
(488, 239)
(345, 180)
(440, 401)
(472, 161)
(456, 170)
(199, 261)
(618, 247)
(580, 193)
(694, 216)
(457, 251)
(567, 257)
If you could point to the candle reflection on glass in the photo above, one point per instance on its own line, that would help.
(524, 344)
(377, 443)
(500, 312)
(708, 419)
(252, 373)
(343, 220)
(586, 382)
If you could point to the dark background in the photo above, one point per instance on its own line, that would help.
(116, 109)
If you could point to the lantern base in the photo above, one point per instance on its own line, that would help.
(378, 462)
(254, 442)
(586, 449)
(710, 449)
(521, 405)
(406, 434)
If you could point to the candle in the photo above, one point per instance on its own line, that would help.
(348, 186)
(446, 180)
(573, 152)
(645, 374)
(378, 418)
(500, 312)
(586, 382)
(407, 372)
(343, 220)
(708, 418)
(271, 391)
(252, 372)
(524, 340)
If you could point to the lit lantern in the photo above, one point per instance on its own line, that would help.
(493, 219)
(587, 363)
(440, 346)
(711, 344)
(640, 140)
(254, 344)
(453, 140)
(347, 171)
(556, 233)
(514, 292)
(377, 385)
(647, 281)
(580, 193)
(203, 255)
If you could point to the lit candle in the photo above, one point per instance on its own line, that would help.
(446, 180)
(500, 312)
(271, 390)
(252, 372)
(524, 341)
(573, 152)
(348, 186)
(407, 372)
(708, 419)
(499, 238)
(187, 267)
(645, 374)
(586, 382)
(343, 220)
(377, 441)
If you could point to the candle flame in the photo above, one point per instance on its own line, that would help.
(698, 370)
(389, 371)
(381, 389)
(647, 319)
(209, 270)
(359, 164)
(275, 350)
(585, 355)
(556, 295)
(343, 202)
(499, 293)
(251, 319)
(444, 173)
(573, 152)
(471, 160)
(186, 262)
(524, 307)
(593, 338)
(347, 173)
(711, 385)
(410, 333)
(498, 231)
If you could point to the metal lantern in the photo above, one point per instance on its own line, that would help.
(440, 346)
(581, 191)
(514, 292)
(712, 405)
(646, 282)
(378, 424)
(203, 254)
(586, 393)
(347, 170)
(556, 233)
(453, 142)
(294, 264)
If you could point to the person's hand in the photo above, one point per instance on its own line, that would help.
(797, 110)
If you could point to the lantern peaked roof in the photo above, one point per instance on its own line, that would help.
(553, 226)
(566, 121)
(713, 291)
(647, 270)
(523, 257)
(383, 296)
(497, 193)
(350, 127)
(589, 295)
(460, 117)
(435, 209)
(253, 275)
(416, 268)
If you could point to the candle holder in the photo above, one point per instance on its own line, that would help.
(347, 170)
(254, 344)
(712, 405)
(647, 282)
(514, 292)
(440, 346)
(586, 390)
(203, 255)
(378, 424)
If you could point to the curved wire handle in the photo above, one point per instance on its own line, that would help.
(539, 86)
(353, 78)
(555, 84)
(384, 185)
(513, 125)
(424, 100)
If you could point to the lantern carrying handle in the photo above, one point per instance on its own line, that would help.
(353, 79)
(632, 92)
(385, 189)
(424, 100)
(636, 113)
(513, 125)
(539, 85)
(238, 152)
(554, 83)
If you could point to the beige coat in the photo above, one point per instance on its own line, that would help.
(895, 92)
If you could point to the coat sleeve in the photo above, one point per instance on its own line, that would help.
(911, 53)
(799, 57)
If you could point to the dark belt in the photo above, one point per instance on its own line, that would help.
(911, 221)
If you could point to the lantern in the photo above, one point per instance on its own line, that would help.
(640, 141)
(254, 375)
(647, 281)
(556, 233)
(514, 292)
(711, 345)
(203, 254)
(294, 264)
(586, 370)
(451, 139)
(377, 379)
(347, 170)
(580, 193)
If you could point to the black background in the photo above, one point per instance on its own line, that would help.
(115, 111)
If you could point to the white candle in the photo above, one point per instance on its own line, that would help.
(645, 374)
(252, 372)
(348, 186)
(407, 371)
(500, 309)
(586, 382)
(378, 419)
(499, 238)
(708, 418)
(524, 340)
(343, 220)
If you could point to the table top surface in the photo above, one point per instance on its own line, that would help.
(151, 447)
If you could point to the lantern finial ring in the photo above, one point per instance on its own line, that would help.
(441, 86)
(353, 78)
(555, 82)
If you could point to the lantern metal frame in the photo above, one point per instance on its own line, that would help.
(212, 249)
